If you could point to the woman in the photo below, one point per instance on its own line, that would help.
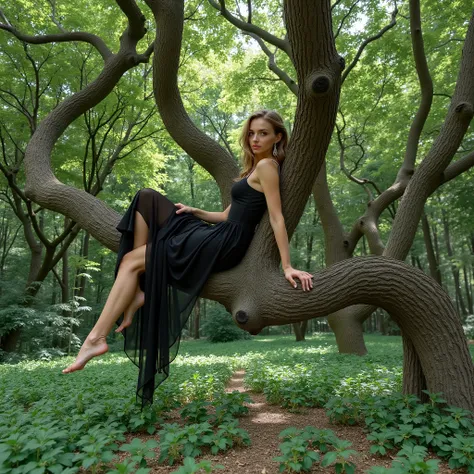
(167, 254)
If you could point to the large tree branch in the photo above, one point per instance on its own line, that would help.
(169, 17)
(404, 291)
(458, 167)
(42, 186)
(94, 40)
(429, 172)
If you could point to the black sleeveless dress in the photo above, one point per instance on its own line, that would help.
(181, 252)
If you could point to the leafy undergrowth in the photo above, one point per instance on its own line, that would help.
(55, 423)
(58, 423)
(365, 391)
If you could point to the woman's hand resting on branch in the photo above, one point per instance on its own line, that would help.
(184, 208)
(305, 278)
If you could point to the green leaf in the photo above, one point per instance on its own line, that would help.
(329, 458)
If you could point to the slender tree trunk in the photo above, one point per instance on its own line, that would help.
(197, 316)
(468, 288)
(430, 252)
(298, 328)
(85, 254)
(65, 294)
(454, 268)
(99, 280)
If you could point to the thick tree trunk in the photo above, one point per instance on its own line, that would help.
(348, 331)
(414, 382)
(300, 330)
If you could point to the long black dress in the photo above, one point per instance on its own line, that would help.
(181, 252)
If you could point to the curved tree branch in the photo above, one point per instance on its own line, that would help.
(458, 118)
(94, 40)
(282, 44)
(344, 18)
(206, 151)
(290, 83)
(42, 186)
(404, 291)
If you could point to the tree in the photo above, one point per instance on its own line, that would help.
(434, 347)
(112, 132)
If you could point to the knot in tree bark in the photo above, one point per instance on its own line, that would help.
(320, 84)
(241, 317)
(465, 108)
(253, 324)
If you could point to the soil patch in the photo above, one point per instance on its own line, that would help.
(264, 423)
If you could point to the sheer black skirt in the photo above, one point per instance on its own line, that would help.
(152, 340)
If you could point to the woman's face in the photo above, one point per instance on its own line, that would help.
(262, 137)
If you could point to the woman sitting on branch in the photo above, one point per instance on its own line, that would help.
(167, 253)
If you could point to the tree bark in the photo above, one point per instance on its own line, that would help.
(405, 292)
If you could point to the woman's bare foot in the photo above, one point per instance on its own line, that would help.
(92, 347)
(138, 301)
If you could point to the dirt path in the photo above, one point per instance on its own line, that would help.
(264, 423)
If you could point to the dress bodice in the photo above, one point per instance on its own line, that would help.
(247, 205)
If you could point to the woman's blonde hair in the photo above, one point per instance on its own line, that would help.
(247, 155)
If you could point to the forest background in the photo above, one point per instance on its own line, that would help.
(54, 276)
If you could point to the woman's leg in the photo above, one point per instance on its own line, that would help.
(120, 298)
(140, 237)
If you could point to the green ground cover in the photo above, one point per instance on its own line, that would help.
(52, 422)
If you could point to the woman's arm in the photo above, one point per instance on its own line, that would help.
(211, 217)
(269, 178)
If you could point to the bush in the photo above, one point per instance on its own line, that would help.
(220, 327)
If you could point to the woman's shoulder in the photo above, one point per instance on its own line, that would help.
(267, 161)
